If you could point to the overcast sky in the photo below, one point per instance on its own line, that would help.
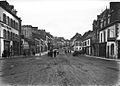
(62, 18)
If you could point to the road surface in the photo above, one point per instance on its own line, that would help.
(64, 70)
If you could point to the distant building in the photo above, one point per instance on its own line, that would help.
(27, 31)
(78, 44)
(87, 42)
(10, 27)
(38, 39)
(74, 39)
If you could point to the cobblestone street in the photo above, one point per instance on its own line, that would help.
(65, 70)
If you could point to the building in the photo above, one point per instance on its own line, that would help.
(74, 38)
(10, 27)
(87, 42)
(95, 38)
(78, 44)
(27, 31)
(37, 39)
(110, 32)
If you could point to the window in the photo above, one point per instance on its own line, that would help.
(80, 43)
(76, 43)
(88, 42)
(112, 49)
(8, 34)
(108, 33)
(17, 26)
(11, 22)
(101, 38)
(108, 20)
(4, 34)
(4, 18)
(85, 43)
(101, 24)
(104, 36)
(11, 35)
(16, 36)
(104, 22)
(8, 21)
(14, 24)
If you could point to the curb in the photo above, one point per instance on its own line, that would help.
(118, 60)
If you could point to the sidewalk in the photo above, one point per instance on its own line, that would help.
(22, 56)
(109, 59)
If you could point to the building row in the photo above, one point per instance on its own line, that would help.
(104, 38)
(18, 39)
(34, 40)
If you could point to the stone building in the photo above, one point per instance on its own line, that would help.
(27, 31)
(10, 27)
(109, 31)
(95, 38)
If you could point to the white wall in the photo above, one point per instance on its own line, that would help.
(115, 49)
(10, 16)
(2, 28)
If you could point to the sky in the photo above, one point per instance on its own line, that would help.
(62, 18)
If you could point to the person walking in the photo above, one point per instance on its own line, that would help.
(55, 53)
(4, 54)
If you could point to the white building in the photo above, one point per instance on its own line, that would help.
(111, 37)
(77, 45)
(86, 44)
(10, 25)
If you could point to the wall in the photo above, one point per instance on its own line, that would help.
(6, 27)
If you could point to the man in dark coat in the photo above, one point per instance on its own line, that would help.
(55, 52)
(4, 54)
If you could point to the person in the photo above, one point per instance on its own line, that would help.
(24, 53)
(55, 53)
(4, 54)
(51, 53)
(8, 53)
(33, 53)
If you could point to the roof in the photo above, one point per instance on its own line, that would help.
(75, 36)
(87, 35)
(79, 38)
(9, 8)
(49, 35)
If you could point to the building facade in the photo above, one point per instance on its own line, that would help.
(78, 44)
(10, 27)
(87, 42)
(109, 31)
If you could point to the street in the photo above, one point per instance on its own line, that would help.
(64, 70)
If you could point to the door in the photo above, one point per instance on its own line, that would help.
(118, 49)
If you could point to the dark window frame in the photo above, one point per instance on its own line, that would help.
(4, 18)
